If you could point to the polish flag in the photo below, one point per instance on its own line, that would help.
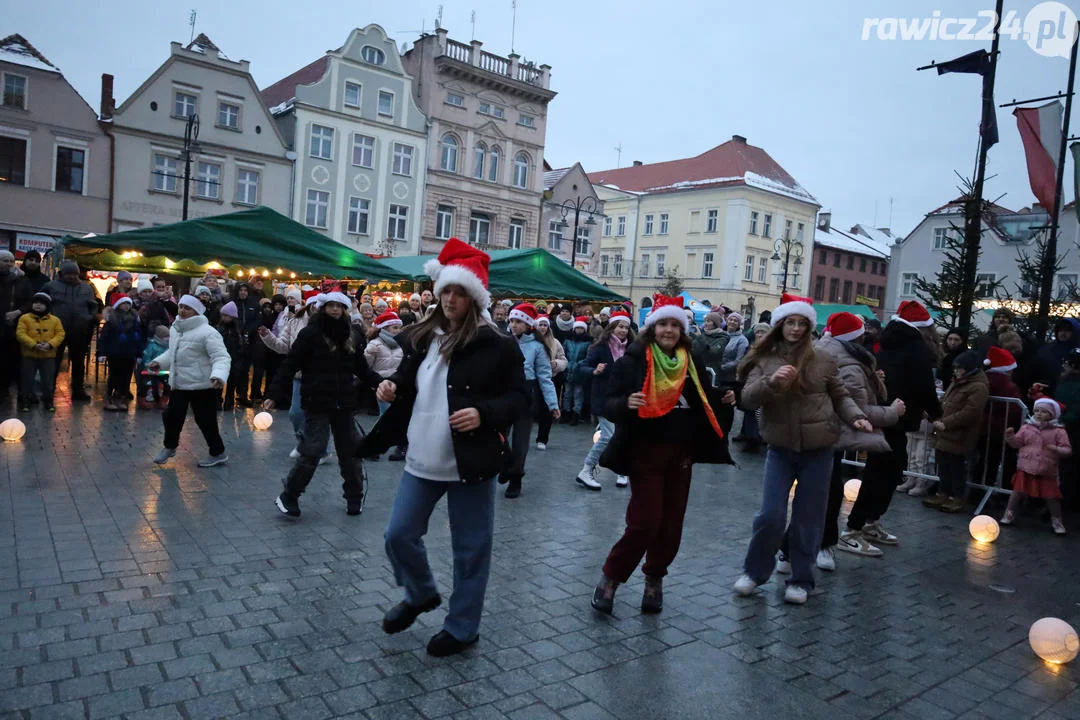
(1040, 129)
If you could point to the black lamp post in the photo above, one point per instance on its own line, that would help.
(790, 252)
(191, 147)
(587, 204)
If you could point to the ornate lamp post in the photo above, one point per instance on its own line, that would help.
(191, 147)
(790, 253)
(589, 206)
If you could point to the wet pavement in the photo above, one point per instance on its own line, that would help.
(135, 591)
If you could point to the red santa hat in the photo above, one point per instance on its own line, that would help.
(794, 305)
(999, 360)
(620, 316)
(461, 264)
(543, 319)
(120, 301)
(845, 326)
(665, 307)
(1050, 404)
(525, 312)
(913, 314)
(581, 322)
(387, 319)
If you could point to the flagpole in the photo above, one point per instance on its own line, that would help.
(1042, 320)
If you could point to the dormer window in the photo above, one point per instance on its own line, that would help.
(373, 55)
(184, 105)
(14, 91)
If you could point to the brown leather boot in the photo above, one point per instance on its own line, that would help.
(652, 600)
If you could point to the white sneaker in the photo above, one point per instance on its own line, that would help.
(876, 533)
(795, 594)
(854, 543)
(921, 489)
(214, 461)
(541, 446)
(622, 481)
(745, 586)
(326, 458)
(587, 478)
(294, 453)
(826, 559)
(1059, 527)
(908, 484)
(783, 565)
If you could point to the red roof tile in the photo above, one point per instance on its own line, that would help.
(285, 89)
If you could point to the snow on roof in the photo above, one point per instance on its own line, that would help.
(840, 240)
(553, 176)
(883, 236)
(798, 192)
(16, 50)
(283, 107)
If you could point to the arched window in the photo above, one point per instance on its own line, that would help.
(493, 164)
(449, 153)
(521, 170)
(478, 161)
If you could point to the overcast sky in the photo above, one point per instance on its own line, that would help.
(849, 118)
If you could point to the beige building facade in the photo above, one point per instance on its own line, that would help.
(570, 198)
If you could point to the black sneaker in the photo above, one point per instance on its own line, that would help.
(287, 505)
(403, 615)
(513, 490)
(603, 597)
(443, 644)
(354, 507)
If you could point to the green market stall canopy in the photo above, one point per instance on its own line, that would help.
(824, 310)
(533, 273)
(259, 240)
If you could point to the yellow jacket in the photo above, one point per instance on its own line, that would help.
(32, 330)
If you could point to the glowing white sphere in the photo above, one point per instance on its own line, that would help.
(263, 421)
(984, 528)
(12, 430)
(851, 489)
(1054, 640)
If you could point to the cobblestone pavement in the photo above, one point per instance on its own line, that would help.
(129, 590)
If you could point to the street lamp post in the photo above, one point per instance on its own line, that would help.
(191, 146)
(587, 204)
(790, 252)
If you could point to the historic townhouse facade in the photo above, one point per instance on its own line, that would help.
(54, 157)
(239, 159)
(488, 117)
(848, 268)
(564, 190)
(716, 219)
(360, 141)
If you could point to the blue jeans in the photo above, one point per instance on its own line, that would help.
(574, 397)
(812, 469)
(296, 413)
(607, 429)
(471, 508)
(383, 407)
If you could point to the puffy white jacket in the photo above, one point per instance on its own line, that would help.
(196, 355)
(382, 358)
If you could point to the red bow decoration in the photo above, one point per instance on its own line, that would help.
(660, 300)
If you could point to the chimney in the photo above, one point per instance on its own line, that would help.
(107, 102)
(637, 163)
(824, 220)
(739, 139)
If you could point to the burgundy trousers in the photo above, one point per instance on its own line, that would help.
(659, 487)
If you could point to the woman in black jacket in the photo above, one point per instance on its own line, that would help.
(956, 341)
(667, 416)
(329, 361)
(460, 385)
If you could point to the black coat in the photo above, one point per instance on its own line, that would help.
(598, 384)
(329, 380)
(909, 373)
(627, 377)
(487, 374)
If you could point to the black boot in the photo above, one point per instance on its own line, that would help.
(403, 615)
(603, 597)
(652, 600)
(513, 490)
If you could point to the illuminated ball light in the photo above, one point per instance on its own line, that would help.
(12, 430)
(851, 489)
(1054, 640)
(263, 421)
(984, 528)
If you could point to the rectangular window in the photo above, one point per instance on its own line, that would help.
(479, 229)
(70, 169)
(554, 235)
(478, 162)
(862, 264)
(184, 104)
(823, 257)
(819, 288)
(984, 285)
(12, 160)
(322, 142)
(352, 94)
(403, 159)
(318, 205)
(847, 292)
(247, 187)
(228, 115)
(766, 229)
(660, 257)
(648, 225)
(873, 268)
(695, 221)
(711, 220)
(908, 284)
(164, 174)
(706, 264)
(1066, 285)
(748, 272)
(753, 222)
(607, 227)
(455, 99)
(582, 241)
(386, 103)
(941, 238)
(799, 233)
(603, 265)
(643, 271)
(621, 226)
(663, 223)
(836, 259)
(363, 151)
(444, 222)
(617, 269)
(208, 181)
(763, 270)
(517, 234)
(527, 120)
(787, 229)
(492, 110)
(850, 262)
(397, 225)
(860, 290)
(834, 290)
(14, 91)
(359, 215)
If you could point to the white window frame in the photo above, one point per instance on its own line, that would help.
(620, 226)
(322, 138)
(244, 186)
(459, 96)
(521, 170)
(449, 146)
(788, 226)
(607, 227)
(748, 269)
(712, 219)
(397, 222)
(176, 102)
(555, 236)
(207, 181)
(479, 228)
(403, 157)
(494, 157)
(753, 222)
(164, 175)
(643, 271)
(444, 222)
(75, 146)
(616, 269)
(377, 56)
(365, 148)
(393, 99)
(25, 90)
(583, 243)
(359, 94)
(526, 120)
(664, 219)
(222, 106)
(317, 200)
(707, 258)
(908, 283)
(941, 236)
(982, 279)
(763, 270)
(661, 261)
(648, 225)
(359, 209)
(516, 237)
(604, 265)
(766, 226)
(479, 155)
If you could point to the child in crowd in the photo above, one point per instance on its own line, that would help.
(154, 390)
(383, 355)
(39, 334)
(121, 341)
(957, 432)
(1041, 442)
(236, 344)
(577, 348)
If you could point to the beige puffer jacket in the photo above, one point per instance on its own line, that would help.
(962, 409)
(865, 390)
(796, 420)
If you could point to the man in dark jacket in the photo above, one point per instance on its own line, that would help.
(1050, 357)
(77, 305)
(9, 316)
(32, 279)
